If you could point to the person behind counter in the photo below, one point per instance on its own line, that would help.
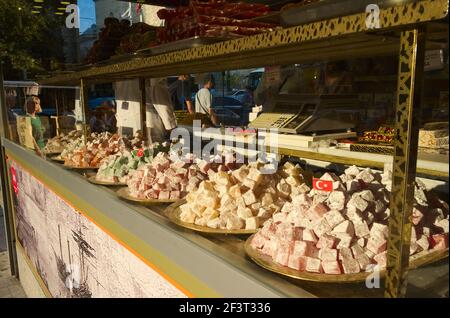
(160, 117)
(33, 107)
(180, 92)
(203, 100)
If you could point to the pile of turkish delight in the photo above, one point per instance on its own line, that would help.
(117, 167)
(243, 198)
(345, 231)
(59, 143)
(98, 147)
(172, 177)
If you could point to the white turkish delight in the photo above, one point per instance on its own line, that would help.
(234, 222)
(363, 261)
(334, 218)
(345, 253)
(353, 185)
(200, 222)
(266, 199)
(352, 171)
(293, 181)
(304, 188)
(357, 250)
(329, 176)
(361, 229)
(379, 206)
(366, 195)
(284, 189)
(379, 229)
(350, 266)
(321, 227)
(345, 178)
(443, 224)
(344, 227)
(251, 223)
(345, 240)
(255, 207)
(366, 175)
(423, 243)
(416, 216)
(376, 244)
(279, 217)
(249, 183)
(328, 254)
(214, 223)
(368, 217)
(426, 231)
(244, 213)
(309, 236)
(187, 216)
(327, 241)
(353, 214)
(249, 197)
(320, 198)
(264, 213)
(420, 196)
(336, 200)
(358, 203)
(287, 207)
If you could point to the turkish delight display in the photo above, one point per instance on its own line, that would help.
(433, 137)
(345, 231)
(172, 177)
(212, 19)
(243, 198)
(57, 144)
(117, 167)
(98, 147)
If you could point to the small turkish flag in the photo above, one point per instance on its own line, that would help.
(322, 185)
(140, 153)
(14, 180)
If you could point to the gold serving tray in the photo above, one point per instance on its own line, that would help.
(125, 195)
(266, 262)
(92, 179)
(173, 213)
(52, 153)
(57, 158)
(79, 168)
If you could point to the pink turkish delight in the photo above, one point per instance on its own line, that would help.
(376, 244)
(345, 253)
(258, 241)
(381, 259)
(439, 241)
(322, 227)
(331, 267)
(334, 218)
(327, 241)
(308, 235)
(297, 262)
(350, 266)
(313, 265)
(328, 254)
(302, 248)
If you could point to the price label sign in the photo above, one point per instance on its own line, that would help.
(14, 181)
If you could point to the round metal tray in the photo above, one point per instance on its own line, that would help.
(79, 168)
(124, 194)
(266, 262)
(93, 179)
(173, 213)
(52, 153)
(57, 158)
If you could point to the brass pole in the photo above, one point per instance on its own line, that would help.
(143, 110)
(84, 107)
(407, 121)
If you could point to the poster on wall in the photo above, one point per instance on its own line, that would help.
(73, 256)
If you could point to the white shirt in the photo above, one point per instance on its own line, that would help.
(203, 101)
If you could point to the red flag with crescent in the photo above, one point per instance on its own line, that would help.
(322, 185)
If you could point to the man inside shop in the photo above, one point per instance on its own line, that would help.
(204, 99)
(180, 93)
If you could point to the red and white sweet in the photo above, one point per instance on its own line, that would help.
(345, 231)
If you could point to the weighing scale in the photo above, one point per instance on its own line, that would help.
(300, 113)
